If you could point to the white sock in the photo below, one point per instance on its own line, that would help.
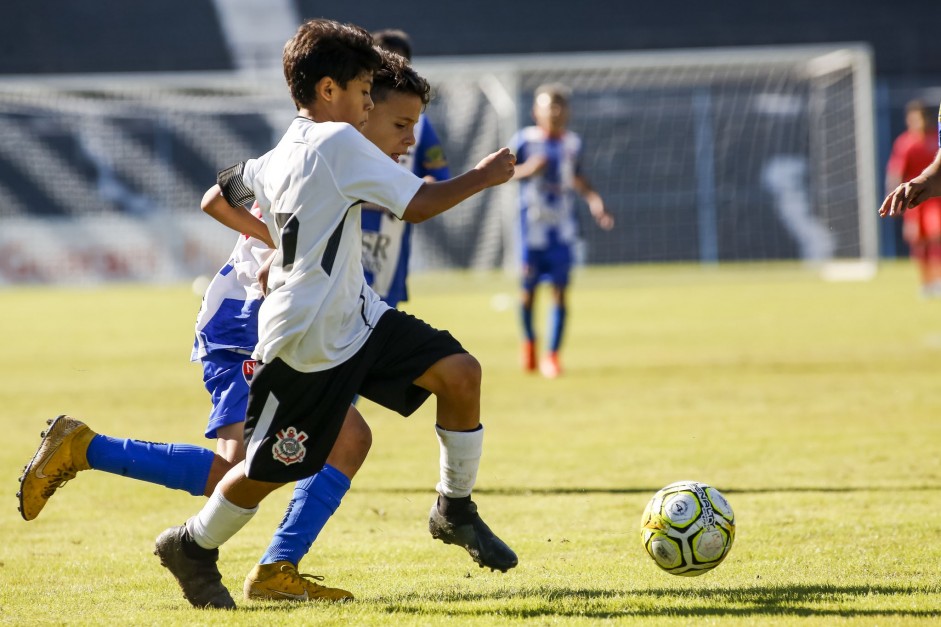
(217, 521)
(460, 459)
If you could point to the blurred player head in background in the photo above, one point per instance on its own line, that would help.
(917, 117)
(329, 66)
(399, 94)
(551, 108)
(394, 40)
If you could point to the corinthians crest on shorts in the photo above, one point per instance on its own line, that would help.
(290, 449)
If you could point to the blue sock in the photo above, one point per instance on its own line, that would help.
(314, 502)
(557, 324)
(526, 314)
(177, 466)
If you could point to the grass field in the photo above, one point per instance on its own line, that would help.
(813, 406)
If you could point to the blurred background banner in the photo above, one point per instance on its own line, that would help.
(714, 133)
(712, 155)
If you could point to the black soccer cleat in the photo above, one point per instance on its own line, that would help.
(199, 578)
(463, 527)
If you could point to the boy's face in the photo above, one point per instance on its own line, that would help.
(353, 103)
(551, 114)
(391, 125)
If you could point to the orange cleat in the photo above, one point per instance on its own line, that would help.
(550, 367)
(528, 356)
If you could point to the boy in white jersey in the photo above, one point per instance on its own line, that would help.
(550, 173)
(226, 333)
(324, 335)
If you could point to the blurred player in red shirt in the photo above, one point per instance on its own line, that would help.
(912, 152)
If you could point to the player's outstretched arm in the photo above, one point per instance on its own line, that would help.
(238, 218)
(914, 192)
(434, 198)
(531, 167)
(595, 203)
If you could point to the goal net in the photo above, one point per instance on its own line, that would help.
(709, 156)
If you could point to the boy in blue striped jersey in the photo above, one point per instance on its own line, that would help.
(550, 173)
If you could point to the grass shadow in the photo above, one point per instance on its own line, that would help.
(562, 491)
(748, 601)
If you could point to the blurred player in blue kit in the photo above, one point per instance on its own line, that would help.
(387, 241)
(550, 173)
(226, 336)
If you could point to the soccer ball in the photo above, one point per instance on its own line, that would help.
(688, 528)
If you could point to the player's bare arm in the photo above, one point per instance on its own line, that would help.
(238, 218)
(595, 202)
(914, 192)
(531, 167)
(434, 198)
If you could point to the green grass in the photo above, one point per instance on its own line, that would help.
(813, 406)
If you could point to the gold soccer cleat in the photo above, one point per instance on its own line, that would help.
(60, 457)
(281, 582)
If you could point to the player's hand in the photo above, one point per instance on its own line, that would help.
(904, 197)
(263, 278)
(596, 205)
(263, 272)
(605, 220)
(498, 167)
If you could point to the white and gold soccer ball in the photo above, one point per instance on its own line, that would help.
(688, 528)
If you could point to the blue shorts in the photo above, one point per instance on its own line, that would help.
(553, 264)
(227, 375)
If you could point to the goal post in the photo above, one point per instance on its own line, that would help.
(703, 156)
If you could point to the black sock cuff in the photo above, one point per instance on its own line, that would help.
(194, 551)
(455, 508)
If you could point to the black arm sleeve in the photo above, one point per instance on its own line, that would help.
(233, 189)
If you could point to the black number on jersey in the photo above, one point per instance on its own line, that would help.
(288, 225)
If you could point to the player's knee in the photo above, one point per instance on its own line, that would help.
(220, 466)
(462, 377)
(352, 445)
(230, 442)
(360, 437)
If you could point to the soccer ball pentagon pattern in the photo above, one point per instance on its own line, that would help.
(688, 528)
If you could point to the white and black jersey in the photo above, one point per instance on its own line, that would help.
(319, 311)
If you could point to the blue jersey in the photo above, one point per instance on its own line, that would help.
(386, 239)
(547, 199)
(228, 317)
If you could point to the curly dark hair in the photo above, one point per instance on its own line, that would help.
(322, 48)
(396, 75)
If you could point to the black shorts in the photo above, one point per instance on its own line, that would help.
(298, 415)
